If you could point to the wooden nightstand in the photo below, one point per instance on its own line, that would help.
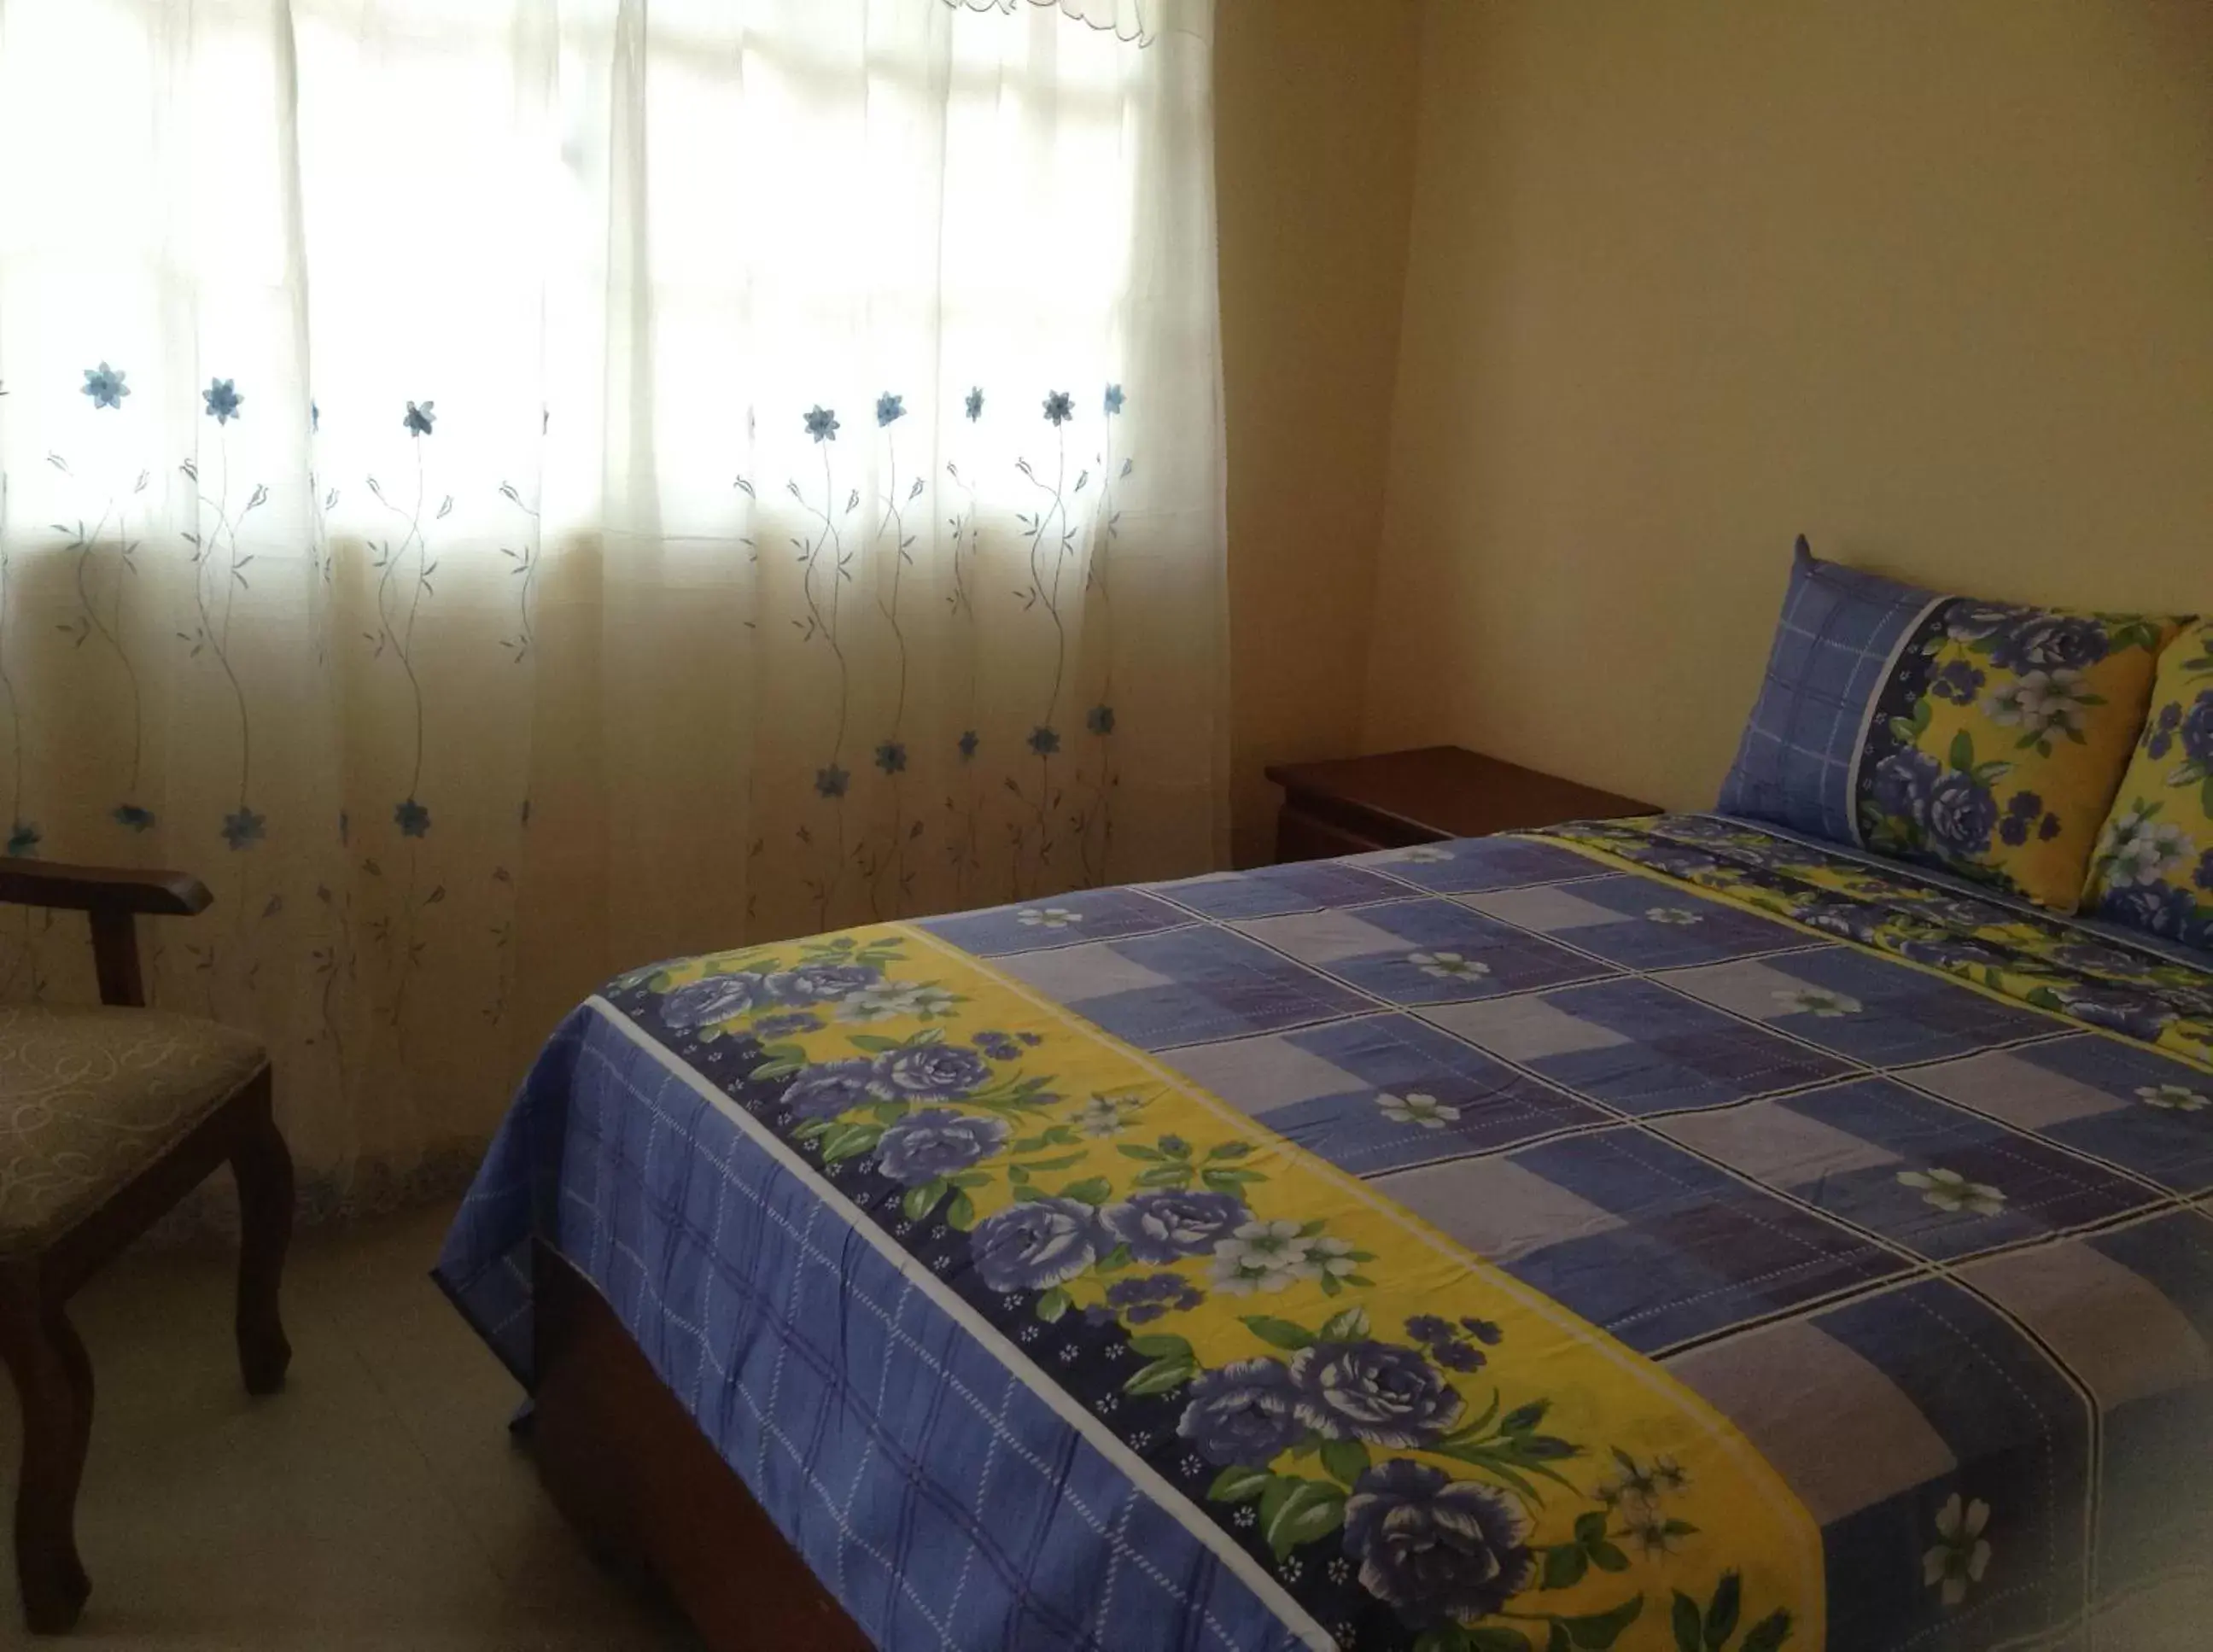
(1359, 803)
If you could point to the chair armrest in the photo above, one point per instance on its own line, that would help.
(101, 889)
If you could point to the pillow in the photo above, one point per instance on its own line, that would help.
(1840, 632)
(2154, 870)
(1984, 739)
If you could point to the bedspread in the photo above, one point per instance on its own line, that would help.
(1657, 1234)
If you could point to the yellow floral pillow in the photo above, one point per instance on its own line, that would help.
(1999, 737)
(2154, 870)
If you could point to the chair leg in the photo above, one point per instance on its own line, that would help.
(53, 1384)
(263, 1168)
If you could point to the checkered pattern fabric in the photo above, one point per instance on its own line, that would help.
(1838, 630)
(1947, 1260)
(940, 1497)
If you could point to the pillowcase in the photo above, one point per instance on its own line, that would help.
(1982, 739)
(1839, 632)
(2154, 870)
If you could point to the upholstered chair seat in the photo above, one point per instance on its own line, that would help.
(110, 1113)
(89, 1096)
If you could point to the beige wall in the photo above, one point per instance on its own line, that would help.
(1314, 161)
(1931, 280)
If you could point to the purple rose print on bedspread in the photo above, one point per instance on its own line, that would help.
(812, 983)
(1379, 1392)
(935, 1071)
(1034, 1246)
(718, 998)
(788, 1024)
(826, 1090)
(1163, 1226)
(1245, 1412)
(1146, 1298)
(2161, 909)
(936, 1141)
(1436, 1548)
(2116, 1009)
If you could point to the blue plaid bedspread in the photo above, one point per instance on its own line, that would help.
(1944, 1257)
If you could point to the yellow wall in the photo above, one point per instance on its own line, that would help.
(1931, 280)
(1313, 162)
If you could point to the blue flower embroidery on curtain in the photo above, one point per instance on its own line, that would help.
(825, 561)
(219, 566)
(964, 849)
(109, 539)
(835, 553)
(105, 386)
(404, 568)
(887, 860)
(1093, 819)
(244, 653)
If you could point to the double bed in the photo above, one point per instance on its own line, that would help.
(1675, 1232)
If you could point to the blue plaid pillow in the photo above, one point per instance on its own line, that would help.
(1839, 632)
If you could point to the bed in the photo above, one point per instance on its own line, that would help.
(1674, 1233)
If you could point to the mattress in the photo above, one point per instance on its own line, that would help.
(1661, 1233)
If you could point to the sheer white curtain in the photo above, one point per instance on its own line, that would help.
(505, 489)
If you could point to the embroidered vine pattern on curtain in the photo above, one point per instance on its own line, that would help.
(942, 646)
(1057, 789)
(1065, 542)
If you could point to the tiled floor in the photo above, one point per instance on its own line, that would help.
(378, 1501)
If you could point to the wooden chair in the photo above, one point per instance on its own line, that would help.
(108, 1117)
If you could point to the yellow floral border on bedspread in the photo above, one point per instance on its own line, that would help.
(2014, 955)
(1389, 1415)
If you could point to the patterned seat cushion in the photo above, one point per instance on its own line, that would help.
(89, 1097)
(1982, 739)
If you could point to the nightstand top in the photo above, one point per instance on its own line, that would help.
(1444, 791)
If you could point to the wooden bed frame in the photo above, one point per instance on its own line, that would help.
(650, 1495)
